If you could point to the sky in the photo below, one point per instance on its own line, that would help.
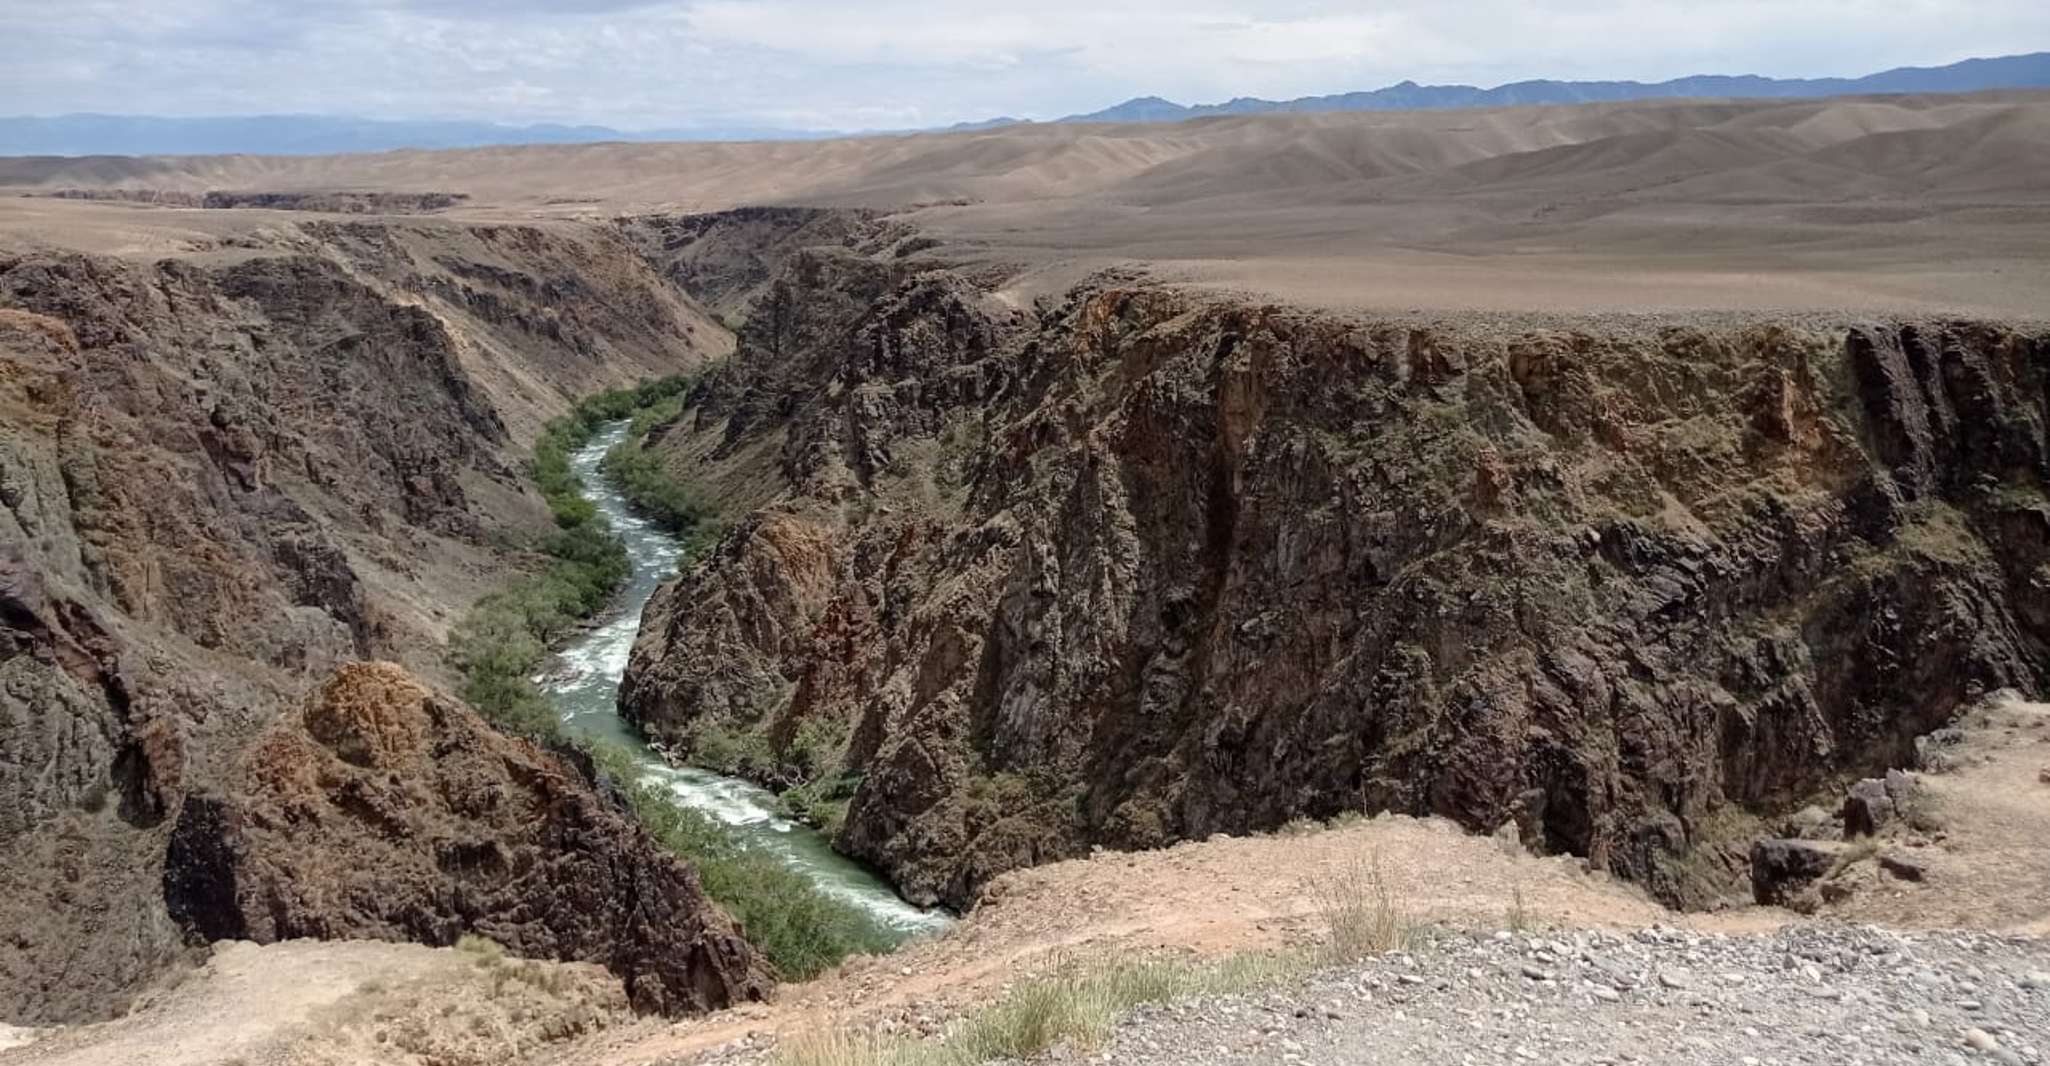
(890, 64)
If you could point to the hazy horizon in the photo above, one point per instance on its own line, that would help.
(801, 65)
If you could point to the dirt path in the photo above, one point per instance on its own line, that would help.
(1212, 897)
(232, 1007)
(314, 1003)
(1987, 859)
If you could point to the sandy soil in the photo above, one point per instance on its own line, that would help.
(1988, 857)
(308, 1003)
(1208, 898)
(1904, 203)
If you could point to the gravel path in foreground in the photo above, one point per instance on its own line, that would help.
(1808, 994)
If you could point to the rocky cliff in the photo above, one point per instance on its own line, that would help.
(384, 810)
(224, 473)
(1147, 566)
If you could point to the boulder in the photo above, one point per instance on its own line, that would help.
(385, 810)
(1904, 867)
(1782, 870)
(1867, 809)
(1933, 751)
(1900, 788)
(1810, 823)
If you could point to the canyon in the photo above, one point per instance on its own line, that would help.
(1615, 480)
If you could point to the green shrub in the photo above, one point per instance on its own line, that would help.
(487, 951)
(734, 751)
(821, 803)
(802, 930)
(505, 636)
(656, 414)
(648, 486)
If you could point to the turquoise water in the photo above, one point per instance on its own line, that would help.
(584, 685)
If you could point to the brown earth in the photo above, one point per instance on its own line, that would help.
(386, 811)
(1976, 836)
(1896, 203)
(312, 1003)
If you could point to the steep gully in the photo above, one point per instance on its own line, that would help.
(585, 689)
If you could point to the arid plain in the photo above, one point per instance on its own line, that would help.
(1882, 203)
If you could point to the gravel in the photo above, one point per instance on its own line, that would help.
(1821, 994)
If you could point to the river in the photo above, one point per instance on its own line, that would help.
(584, 686)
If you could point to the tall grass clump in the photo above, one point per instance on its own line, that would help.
(1362, 916)
(1075, 1006)
(1518, 919)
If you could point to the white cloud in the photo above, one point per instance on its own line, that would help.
(848, 64)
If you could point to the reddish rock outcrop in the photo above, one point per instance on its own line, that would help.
(385, 810)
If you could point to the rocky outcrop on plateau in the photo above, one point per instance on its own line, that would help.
(384, 810)
(1147, 566)
(346, 202)
(227, 472)
(729, 260)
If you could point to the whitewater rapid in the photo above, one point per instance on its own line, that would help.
(584, 685)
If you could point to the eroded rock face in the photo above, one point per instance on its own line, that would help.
(1145, 567)
(224, 474)
(384, 810)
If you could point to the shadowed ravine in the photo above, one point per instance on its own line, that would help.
(585, 689)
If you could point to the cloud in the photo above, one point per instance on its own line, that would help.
(873, 63)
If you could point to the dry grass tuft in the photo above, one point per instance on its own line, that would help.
(1074, 1007)
(1518, 919)
(488, 951)
(1362, 915)
(1078, 1007)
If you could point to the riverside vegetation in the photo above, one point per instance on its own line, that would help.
(505, 638)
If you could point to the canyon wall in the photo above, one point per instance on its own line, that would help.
(1147, 565)
(228, 471)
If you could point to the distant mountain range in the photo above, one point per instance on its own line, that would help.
(2007, 72)
(91, 134)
